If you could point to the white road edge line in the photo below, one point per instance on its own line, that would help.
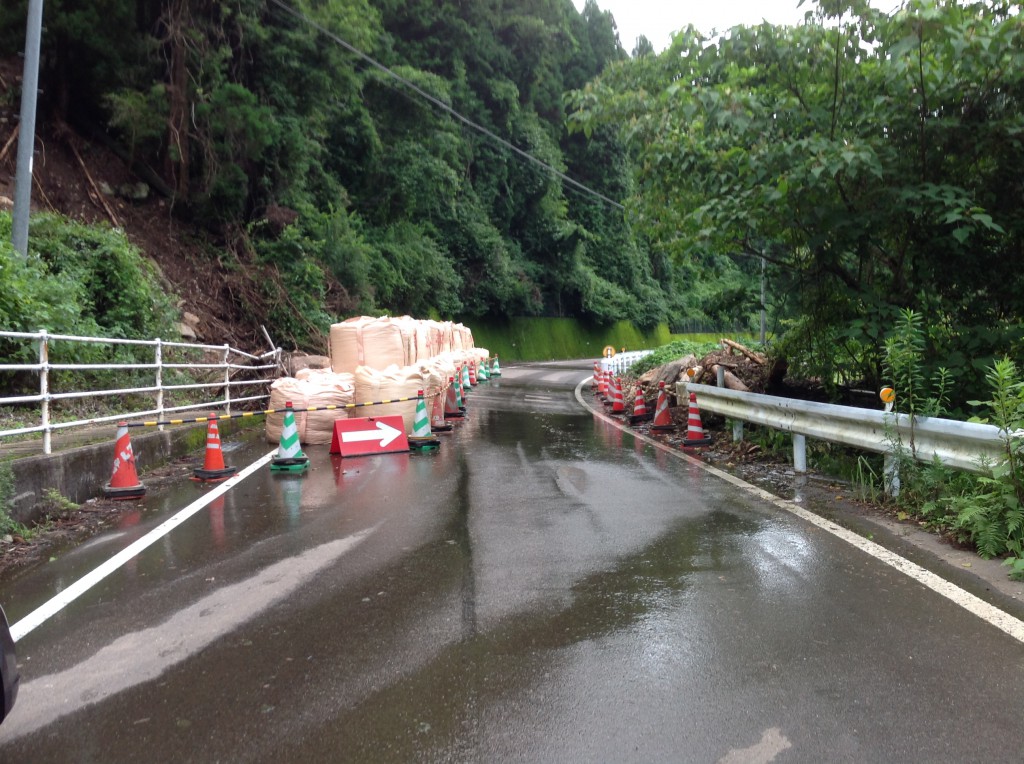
(57, 603)
(989, 613)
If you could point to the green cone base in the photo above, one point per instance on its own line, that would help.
(290, 464)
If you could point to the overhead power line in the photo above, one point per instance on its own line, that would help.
(442, 105)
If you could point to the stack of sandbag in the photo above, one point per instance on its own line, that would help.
(373, 359)
(387, 385)
(312, 388)
(385, 341)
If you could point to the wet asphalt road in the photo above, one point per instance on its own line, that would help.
(544, 588)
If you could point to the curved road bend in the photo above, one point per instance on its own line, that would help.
(545, 588)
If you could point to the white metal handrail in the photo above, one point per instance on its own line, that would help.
(967, 446)
(621, 362)
(229, 363)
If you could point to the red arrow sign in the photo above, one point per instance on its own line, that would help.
(369, 435)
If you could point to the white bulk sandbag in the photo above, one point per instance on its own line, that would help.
(375, 342)
(446, 337)
(389, 384)
(316, 389)
(463, 337)
(453, 359)
(437, 374)
(407, 326)
(428, 340)
(435, 380)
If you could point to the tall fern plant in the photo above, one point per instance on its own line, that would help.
(905, 347)
(993, 515)
(916, 394)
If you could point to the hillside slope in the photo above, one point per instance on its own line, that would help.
(219, 297)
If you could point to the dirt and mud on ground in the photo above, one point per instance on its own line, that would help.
(69, 524)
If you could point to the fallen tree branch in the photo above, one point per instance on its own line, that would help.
(732, 382)
(10, 141)
(92, 184)
(757, 358)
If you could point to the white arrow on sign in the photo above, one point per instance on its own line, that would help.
(384, 433)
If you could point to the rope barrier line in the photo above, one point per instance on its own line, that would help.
(218, 417)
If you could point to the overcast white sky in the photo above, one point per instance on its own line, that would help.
(658, 19)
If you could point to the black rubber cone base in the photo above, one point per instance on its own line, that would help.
(662, 427)
(445, 428)
(213, 476)
(705, 441)
(124, 493)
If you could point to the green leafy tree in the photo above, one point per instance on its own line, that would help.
(864, 158)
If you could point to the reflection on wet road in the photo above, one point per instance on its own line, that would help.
(543, 588)
(146, 654)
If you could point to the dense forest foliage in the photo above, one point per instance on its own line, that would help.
(872, 159)
(312, 137)
(363, 154)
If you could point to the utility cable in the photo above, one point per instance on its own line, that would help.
(441, 104)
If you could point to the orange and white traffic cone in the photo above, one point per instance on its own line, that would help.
(213, 469)
(695, 435)
(472, 374)
(662, 417)
(124, 482)
(451, 401)
(618, 404)
(609, 397)
(640, 412)
(437, 423)
(602, 383)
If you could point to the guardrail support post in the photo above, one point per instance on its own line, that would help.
(158, 357)
(720, 376)
(227, 379)
(737, 430)
(799, 453)
(44, 388)
(891, 474)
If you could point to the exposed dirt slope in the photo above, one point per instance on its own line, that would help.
(74, 176)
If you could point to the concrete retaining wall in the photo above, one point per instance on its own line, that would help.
(79, 474)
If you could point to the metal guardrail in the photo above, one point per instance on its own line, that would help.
(44, 367)
(962, 445)
(620, 362)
